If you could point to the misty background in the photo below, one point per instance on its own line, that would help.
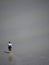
(26, 24)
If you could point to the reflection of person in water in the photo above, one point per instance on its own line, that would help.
(10, 58)
(10, 46)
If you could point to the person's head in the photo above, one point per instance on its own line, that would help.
(9, 42)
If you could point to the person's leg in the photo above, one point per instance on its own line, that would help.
(10, 48)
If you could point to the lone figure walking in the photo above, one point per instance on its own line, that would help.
(10, 46)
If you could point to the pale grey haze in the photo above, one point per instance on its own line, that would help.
(26, 24)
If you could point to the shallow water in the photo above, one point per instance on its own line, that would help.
(25, 55)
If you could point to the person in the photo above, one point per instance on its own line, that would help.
(10, 46)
